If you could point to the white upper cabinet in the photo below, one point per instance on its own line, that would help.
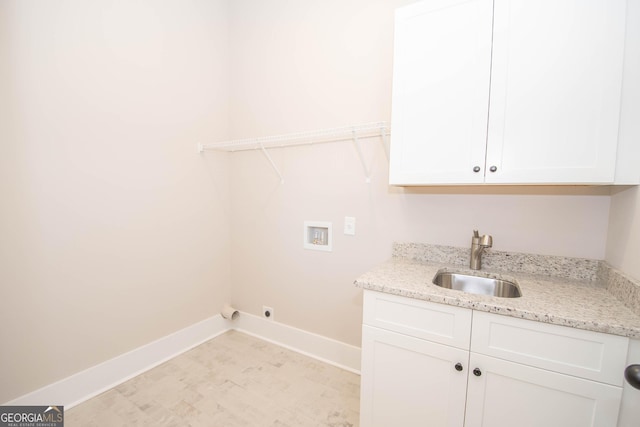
(441, 75)
(556, 81)
(507, 91)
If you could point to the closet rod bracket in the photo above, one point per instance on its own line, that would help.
(273, 165)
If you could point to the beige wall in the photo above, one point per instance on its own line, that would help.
(623, 245)
(305, 65)
(113, 232)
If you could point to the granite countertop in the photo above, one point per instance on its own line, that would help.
(568, 301)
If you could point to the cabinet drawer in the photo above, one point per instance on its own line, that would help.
(592, 355)
(439, 323)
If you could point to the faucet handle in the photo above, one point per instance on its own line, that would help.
(486, 240)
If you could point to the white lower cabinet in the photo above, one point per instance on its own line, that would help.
(414, 381)
(409, 381)
(507, 394)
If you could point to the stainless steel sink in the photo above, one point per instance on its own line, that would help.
(477, 284)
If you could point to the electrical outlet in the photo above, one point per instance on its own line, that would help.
(267, 312)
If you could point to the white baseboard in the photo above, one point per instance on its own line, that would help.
(328, 350)
(86, 384)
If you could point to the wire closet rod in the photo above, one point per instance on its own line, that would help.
(352, 133)
(365, 130)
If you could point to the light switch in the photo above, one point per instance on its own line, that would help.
(349, 225)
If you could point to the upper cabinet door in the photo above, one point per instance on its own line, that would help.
(556, 84)
(441, 76)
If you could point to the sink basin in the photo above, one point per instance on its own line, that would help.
(477, 284)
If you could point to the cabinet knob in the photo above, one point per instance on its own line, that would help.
(476, 169)
(632, 374)
(493, 168)
(458, 367)
(477, 372)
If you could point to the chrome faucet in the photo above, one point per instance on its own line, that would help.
(478, 245)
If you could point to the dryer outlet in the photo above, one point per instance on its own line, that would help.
(267, 312)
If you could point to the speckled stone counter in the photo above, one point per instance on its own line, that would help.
(570, 291)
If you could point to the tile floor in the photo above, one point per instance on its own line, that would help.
(232, 380)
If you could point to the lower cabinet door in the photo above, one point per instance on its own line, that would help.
(507, 394)
(408, 381)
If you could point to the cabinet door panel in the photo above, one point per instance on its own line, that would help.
(442, 60)
(556, 83)
(410, 382)
(508, 394)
